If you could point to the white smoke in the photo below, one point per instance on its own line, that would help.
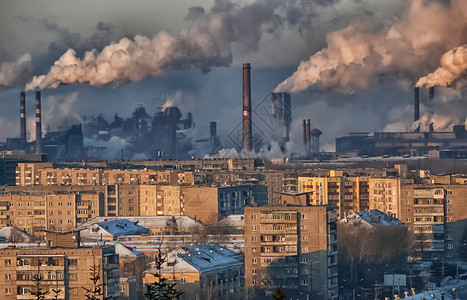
(357, 55)
(113, 147)
(271, 151)
(453, 66)
(13, 72)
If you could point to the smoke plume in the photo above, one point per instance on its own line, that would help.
(209, 41)
(14, 72)
(453, 66)
(358, 55)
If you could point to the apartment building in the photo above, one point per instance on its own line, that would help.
(210, 204)
(204, 271)
(294, 247)
(31, 212)
(346, 194)
(385, 195)
(437, 215)
(63, 265)
(45, 174)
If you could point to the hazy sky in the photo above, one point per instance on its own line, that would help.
(214, 38)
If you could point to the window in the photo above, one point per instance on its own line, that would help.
(304, 282)
(8, 291)
(7, 262)
(8, 276)
(253, 228)
(303, 260)
(253, 217)
(253, 239)
(254, 261)
(182, 280)
(253, 283)
(254, 271)
(73, 262)
(450, 246)
(73, 277)
(407, 210)
(408, 220)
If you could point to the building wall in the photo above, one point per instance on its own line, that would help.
(346, 194)
(295, 245)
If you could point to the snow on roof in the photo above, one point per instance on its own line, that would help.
(374, 218)
(14, 234)
(232, 220)
(201, 258)
(114, 228)
(125, 251)
(151, 222)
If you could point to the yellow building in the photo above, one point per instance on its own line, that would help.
(346, 194)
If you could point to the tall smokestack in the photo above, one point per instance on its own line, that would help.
(287, 116)
(416, 106)
(308, 135)
(22, 116)
(38, 123)
(213, 127)
(431, 93)
(247, 131)
(304, 133)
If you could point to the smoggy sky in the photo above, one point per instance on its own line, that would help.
(350, 64)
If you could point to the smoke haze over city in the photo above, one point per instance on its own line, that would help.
(350, 65)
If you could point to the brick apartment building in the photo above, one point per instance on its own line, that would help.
(63, 264)
(294, 247)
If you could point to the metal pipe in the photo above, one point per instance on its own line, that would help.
(308, 135)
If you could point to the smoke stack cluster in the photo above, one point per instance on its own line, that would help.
(22, 115)
(282, 110)
(247, 130)
(38, 123)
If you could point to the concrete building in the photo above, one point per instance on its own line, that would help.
(63, 264)
(294, 247)
(204, 271)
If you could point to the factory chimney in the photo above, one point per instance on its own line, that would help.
(247, 130)
(287, 116)
(308, 135)
(22, 120)
(431, 93)
(213, 127)
(38, 123)
(416, 106)
(304, 133)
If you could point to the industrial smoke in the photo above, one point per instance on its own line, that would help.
(357, 54)
(453, 66)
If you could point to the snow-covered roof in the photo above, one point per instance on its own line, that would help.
(232, 220)
(125, 251)
(201, 258)
(113, 228)
(373, 218)
(151, 222)
(14, 234)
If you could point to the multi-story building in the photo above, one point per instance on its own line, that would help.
(346, 194)
(385, 195)
(210, 204)
(32, 212)
(45, 174)
(435, 213)
(292, 247)
(204, 271)
(63, 265)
